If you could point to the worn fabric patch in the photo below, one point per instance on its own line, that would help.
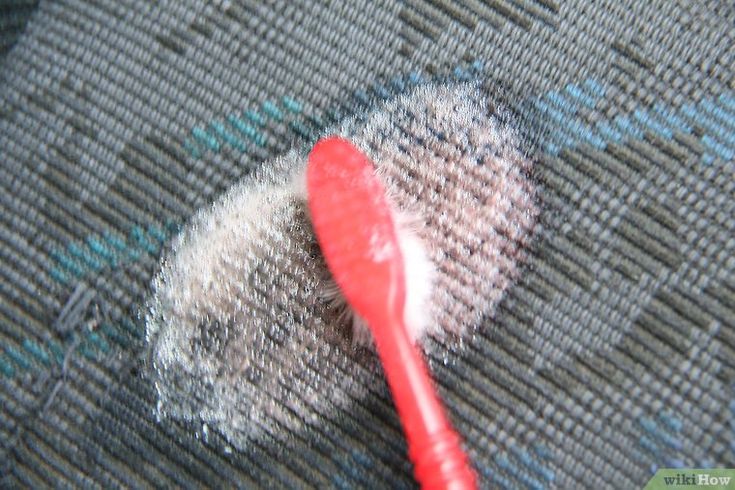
(242, 336)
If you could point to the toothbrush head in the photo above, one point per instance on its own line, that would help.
(355, 228)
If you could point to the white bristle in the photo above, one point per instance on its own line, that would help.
(419, 276)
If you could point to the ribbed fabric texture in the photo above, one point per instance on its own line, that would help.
(611, 354)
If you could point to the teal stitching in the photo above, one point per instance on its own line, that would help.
(85, 257)
(114, 241)
(255, 117)
(142, 240)
(528, 466)
(381, 91)
(37, 351)
(398, 84)
(99, 342)
(415, 78)
(6, 368)
(316, 121)
(246, 129)
(59, 275)
(131, 328)
(114, 334)
(102, 250)
(362, 97)
(305, 126)
(84, 348)
(300, 129)
(56, 351)
(80, 258)
(271, 110)
(192, 148)
(68, 264)
(230, 138)
(292, 105)
(203, 140)
(18, 358)
(157, 233)
(570, 129)
(202, 136)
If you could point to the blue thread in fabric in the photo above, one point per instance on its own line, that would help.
(533, 463)
(499, 480)
(579, 95)
(217, 133)
(131, 328)
(362, 458)
(206, 139)
(398, 84)
(292, 104)
(415, 78)
(362, 97)
(340, 482)
(316, 121)
(300, 129)
(98, 247)
(272, 111)
(671, 422)
(660, 433)
(86, 350)
(662, 439)
(66, 263)
(649, 445)
(157, 233)
(56, 351)
(141, 239)
(36, 351)
(519, 466)
(79, 259)
(564, 108)
(192, 148)
(230, 139)
(651, 121)
(255, 117)
(246, 129)
(381, 91)
(350, 469)
(7, 369)
(464, 75)
(59, 276)
(516, 472)
(115, 335)
(19, 359)
(98, 341)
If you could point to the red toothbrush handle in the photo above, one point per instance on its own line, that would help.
(433, 446)
(357, 234)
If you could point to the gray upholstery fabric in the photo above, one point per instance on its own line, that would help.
(610, 355)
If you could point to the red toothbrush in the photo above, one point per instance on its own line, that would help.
(357, 234)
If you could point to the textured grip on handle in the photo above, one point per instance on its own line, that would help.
(433, 445)
(442, 464)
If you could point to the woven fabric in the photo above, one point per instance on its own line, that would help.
(609, 356)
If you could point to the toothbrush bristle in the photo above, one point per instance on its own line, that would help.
(420, 277)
